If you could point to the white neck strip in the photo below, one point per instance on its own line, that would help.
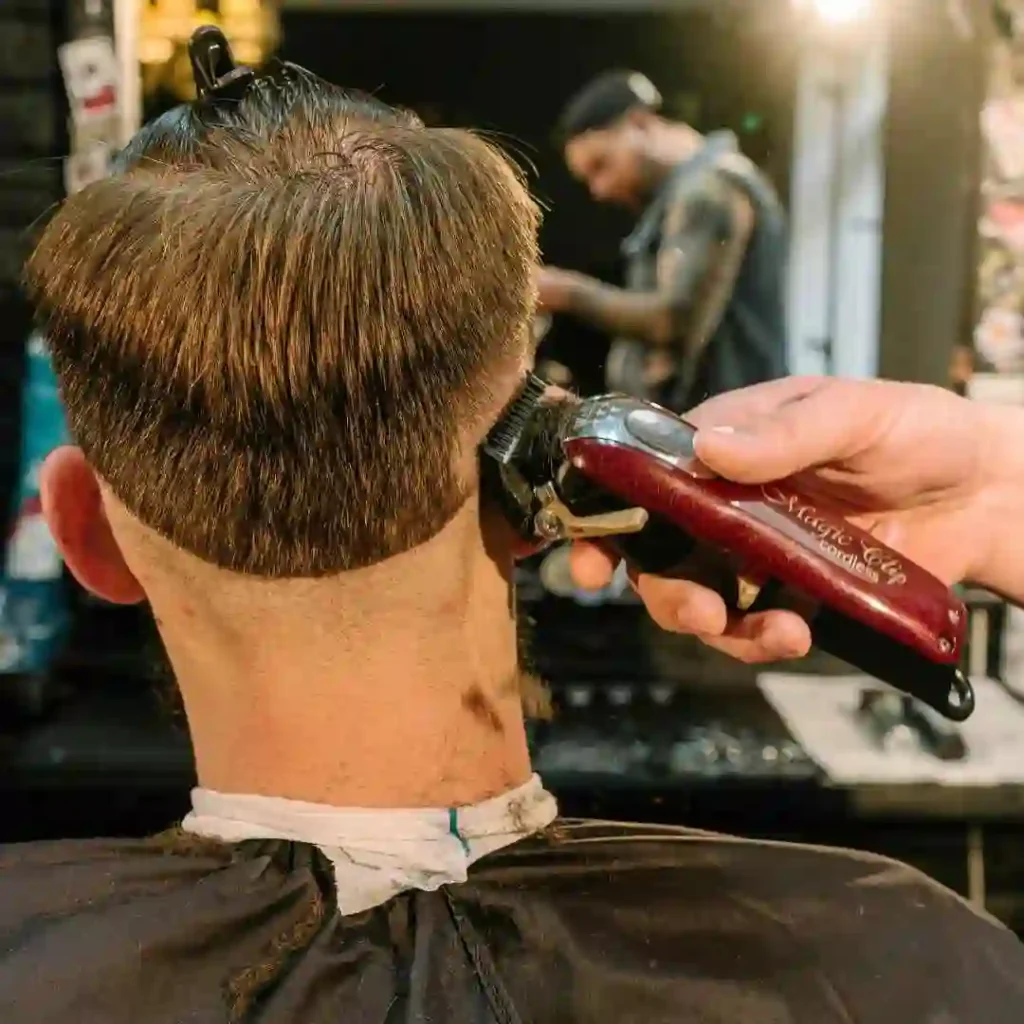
(377, 854)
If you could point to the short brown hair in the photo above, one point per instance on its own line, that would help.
(269, 328)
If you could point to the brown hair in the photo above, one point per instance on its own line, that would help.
(271, 328)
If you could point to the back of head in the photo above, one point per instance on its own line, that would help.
(604, 100)
(283, 320)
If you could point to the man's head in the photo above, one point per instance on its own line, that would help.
(280, 333)
(607, 129)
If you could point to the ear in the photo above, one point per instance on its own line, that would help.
(73, 508)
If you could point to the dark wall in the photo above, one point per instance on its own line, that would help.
(933, 163)
(510, 73)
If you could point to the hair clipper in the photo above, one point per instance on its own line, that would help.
(624, 470)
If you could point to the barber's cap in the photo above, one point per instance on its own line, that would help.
(603, 100)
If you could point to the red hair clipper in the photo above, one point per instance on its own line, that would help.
(624, 469)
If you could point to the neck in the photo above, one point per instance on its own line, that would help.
(395, 686)
(673, 144)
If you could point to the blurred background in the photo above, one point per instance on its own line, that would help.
(892, 132)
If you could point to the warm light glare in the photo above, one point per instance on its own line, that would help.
(842, 11)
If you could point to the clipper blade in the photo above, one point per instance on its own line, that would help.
(503, 440)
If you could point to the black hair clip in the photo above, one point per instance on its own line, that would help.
(218, 77)
(214, 70)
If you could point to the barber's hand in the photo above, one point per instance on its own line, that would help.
(555, 288)
(925, 471)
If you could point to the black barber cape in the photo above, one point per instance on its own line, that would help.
(584, 922)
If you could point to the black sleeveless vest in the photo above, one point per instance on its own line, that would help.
(749, 344)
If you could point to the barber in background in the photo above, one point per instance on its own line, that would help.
(703, 309)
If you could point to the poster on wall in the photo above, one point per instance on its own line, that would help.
(91, 80)
(1002, 122)
(86, 166)
(999, 323)
(91, 74)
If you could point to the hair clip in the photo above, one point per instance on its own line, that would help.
(214, 70)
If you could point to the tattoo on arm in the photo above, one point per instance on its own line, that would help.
(705, 239)
(705, 242)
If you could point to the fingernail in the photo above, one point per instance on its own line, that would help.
(707, 434)
(739, 433)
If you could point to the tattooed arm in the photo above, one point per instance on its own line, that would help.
(704, 244)
(705, 238)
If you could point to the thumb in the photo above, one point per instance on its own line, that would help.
(833, 423)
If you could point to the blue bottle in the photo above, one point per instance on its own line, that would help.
(34, 616)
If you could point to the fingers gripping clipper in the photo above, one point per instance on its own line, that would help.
(624, 470)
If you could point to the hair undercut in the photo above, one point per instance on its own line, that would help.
(273, 325)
